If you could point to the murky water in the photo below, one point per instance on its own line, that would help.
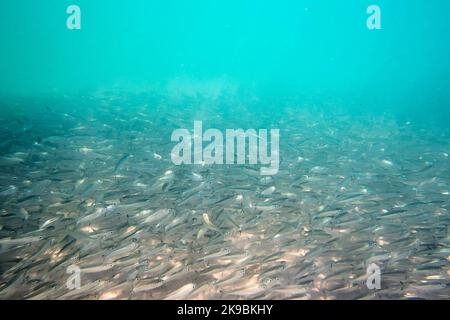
(93, 204)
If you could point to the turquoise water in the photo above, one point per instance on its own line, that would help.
(86, 176)
(283, 49)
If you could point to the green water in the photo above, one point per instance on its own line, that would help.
(88, 179)
(319, 51)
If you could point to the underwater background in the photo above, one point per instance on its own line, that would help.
(302, 49)
(86, 177)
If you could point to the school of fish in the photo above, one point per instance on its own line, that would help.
(89, 182)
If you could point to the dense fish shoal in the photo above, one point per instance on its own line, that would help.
(88, 181)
